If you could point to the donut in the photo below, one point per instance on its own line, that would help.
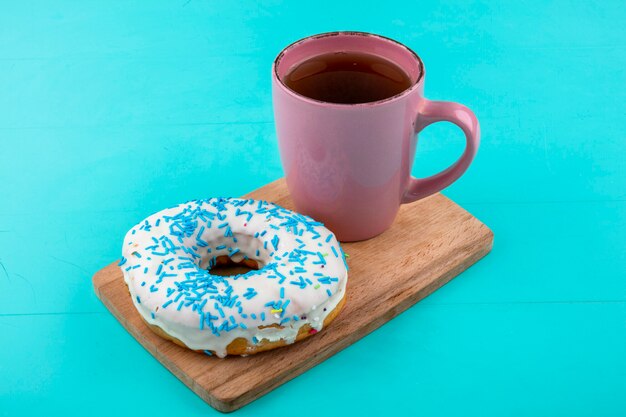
(296, 287)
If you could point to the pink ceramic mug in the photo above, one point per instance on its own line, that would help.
(349, 165)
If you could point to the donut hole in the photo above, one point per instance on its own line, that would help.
(226, 267)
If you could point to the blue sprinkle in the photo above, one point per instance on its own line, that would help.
(138, 300)
(167, 303)
(281, 276)
(328, 238)
(262, 316)
(334, 251)
(250, 293)
(282, 292)
(220, 247)
(208, 353)
(152, 314)
(243, 326)
(123, 261)
(322, 260)
(328, 292)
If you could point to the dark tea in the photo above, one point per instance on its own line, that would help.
(347, 78)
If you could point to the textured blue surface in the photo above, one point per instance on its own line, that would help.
(110, 111)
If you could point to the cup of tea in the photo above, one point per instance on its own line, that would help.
(348, 107)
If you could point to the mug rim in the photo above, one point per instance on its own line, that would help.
(398, 96)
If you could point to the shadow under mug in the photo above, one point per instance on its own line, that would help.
(349, 165)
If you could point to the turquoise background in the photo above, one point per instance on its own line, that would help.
(112, 110)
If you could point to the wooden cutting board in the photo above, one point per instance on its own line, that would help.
(431, 242)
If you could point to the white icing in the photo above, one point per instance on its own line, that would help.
(294, 253)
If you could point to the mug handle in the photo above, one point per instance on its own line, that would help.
(438, 111)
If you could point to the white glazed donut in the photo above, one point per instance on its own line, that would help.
(167, 257)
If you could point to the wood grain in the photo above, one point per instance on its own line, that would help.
(431, 241)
